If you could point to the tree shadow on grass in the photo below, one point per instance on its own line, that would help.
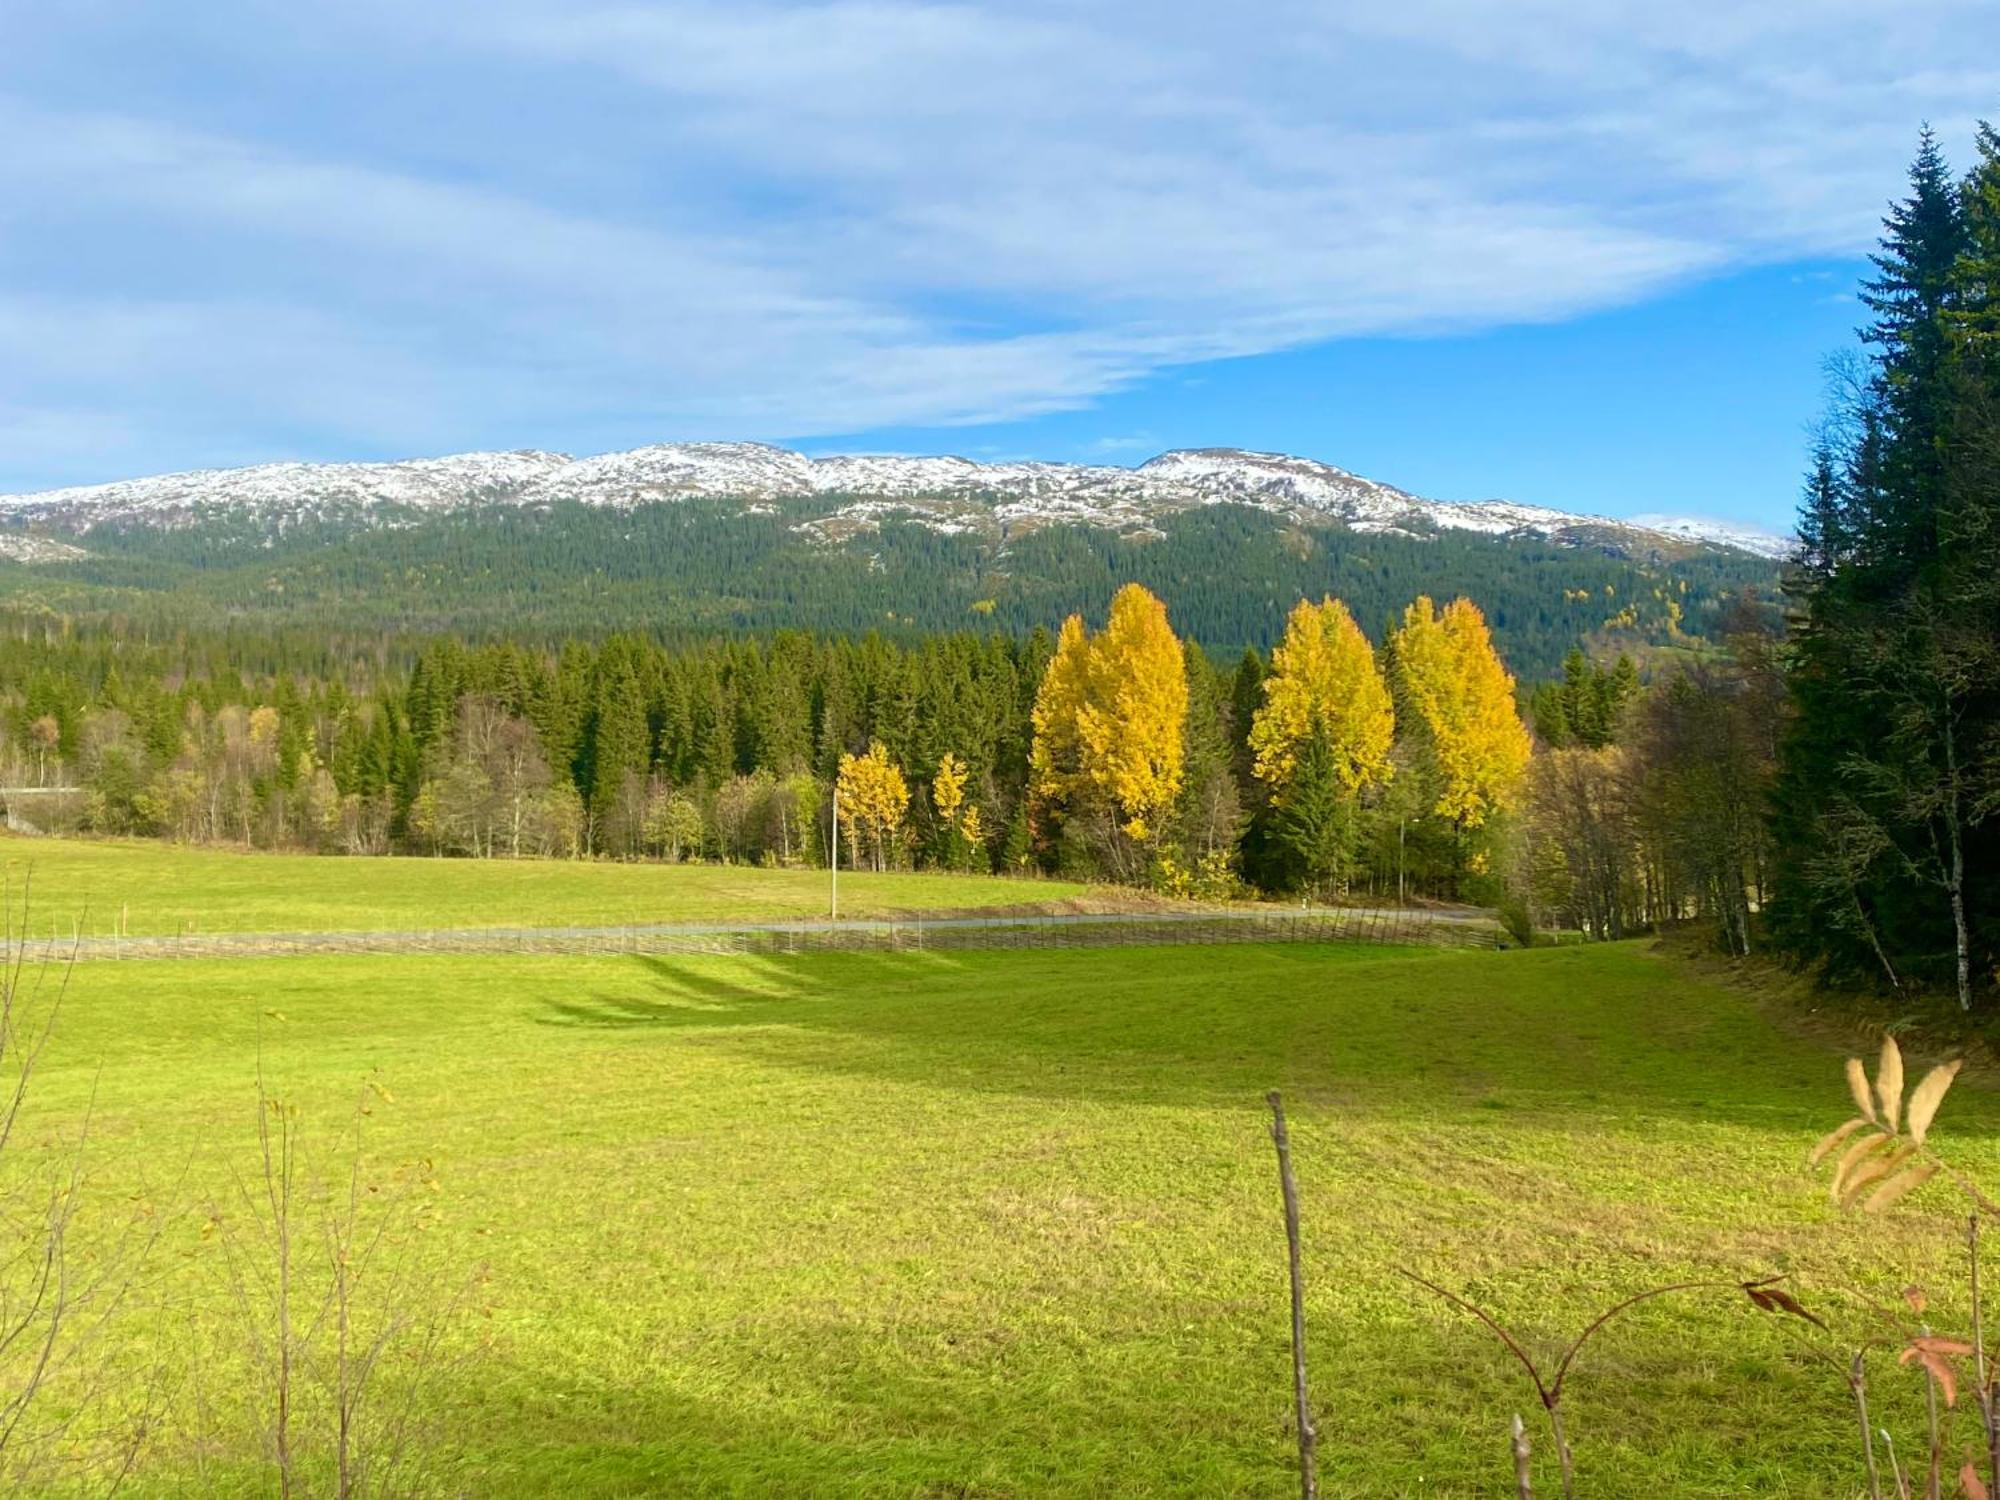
(835, 1405)
(1594, 1033)
(798, 1399)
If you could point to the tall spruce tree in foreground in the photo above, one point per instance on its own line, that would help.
(1890, 773)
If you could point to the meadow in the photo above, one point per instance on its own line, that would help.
(993, 1224)
(157, 889)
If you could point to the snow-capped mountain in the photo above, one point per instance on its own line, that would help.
(855, 493)
(1715, 533)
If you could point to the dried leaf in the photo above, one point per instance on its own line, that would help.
(1834, 1137)
(1929, 1095)
(1873, 1171)
(1851, 1158)
(1857, 1085)
(1889, 1082)
(1897, 1187)
(1938, 1367)
(1938, 1344)
(1777, 1299)
(1971, 1485)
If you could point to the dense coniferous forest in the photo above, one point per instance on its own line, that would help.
(1229, 573)
(960, 751)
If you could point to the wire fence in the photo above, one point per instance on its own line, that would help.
(1387, 926)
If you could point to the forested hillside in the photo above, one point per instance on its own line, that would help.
(1229, 573)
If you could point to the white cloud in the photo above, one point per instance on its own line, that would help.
(617, 222)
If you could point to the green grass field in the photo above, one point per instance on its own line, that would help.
(155, 889)
(1006, 1224)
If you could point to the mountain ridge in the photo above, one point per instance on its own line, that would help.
(944, 492)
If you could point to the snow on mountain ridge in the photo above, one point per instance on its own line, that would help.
(1722, 534)
(293, 489)
(949, 493)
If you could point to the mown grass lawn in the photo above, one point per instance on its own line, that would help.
(156, 888)
(1006, 1224)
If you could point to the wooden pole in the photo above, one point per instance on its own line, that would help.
(833, 865)
(1308, 1436)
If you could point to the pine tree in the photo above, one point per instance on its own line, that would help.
(1316, 818)
(1550, 718)
(1888, 778)
(1911, 297)
(1210, 815)
(618, 743)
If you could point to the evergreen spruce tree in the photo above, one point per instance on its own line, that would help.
(617, 743)
(1888, 781)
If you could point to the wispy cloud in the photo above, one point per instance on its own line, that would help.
(590, 225)
(1128, 442)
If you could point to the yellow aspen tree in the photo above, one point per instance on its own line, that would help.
(948, 788)
(1054, 760)
(873, 798)
(973, 827)
(1325, 688)
(1462, 699)
(1133, 721)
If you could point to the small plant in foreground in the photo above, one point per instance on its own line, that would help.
(1765, 1293)
(57, 1308)
(345, 1314)
(1880, 1157)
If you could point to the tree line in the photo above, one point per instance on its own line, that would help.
(1126, 753)
(1609, 800)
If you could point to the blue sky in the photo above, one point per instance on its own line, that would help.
(1586, 253)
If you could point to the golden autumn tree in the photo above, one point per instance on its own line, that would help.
(948, 788)
(873, 798)
(1322, 737)
(1055, 758)
(1110, 719)
(1133, 722)
(1324, 685)
(960, 831)
(1460, 701)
